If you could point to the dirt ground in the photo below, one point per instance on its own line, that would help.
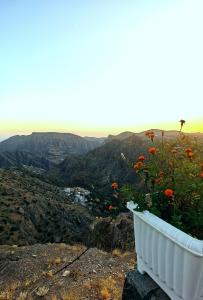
(54, 271)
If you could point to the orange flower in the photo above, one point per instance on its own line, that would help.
(201, 175)
(152, 150)
(141, 158)
(110, 207)
(114, 185)
(136, 167)
(139, 164)
(168, 193)
(151, 136)
(190, 154)
(188, 150)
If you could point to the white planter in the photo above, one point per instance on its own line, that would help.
(172, 258)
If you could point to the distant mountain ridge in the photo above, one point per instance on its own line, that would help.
(53, 146)
(158, 133)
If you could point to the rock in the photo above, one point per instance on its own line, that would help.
(141, 287)
(108, 233)
(66, 273)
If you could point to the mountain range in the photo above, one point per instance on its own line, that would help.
(78, 158)
(52, 146)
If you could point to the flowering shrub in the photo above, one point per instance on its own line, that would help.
(171, 182)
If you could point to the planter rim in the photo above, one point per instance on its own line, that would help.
(183, 239)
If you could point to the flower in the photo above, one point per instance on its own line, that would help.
(152, 150)
(150, 135)
(141, 158)
(136, 167)
(139, 164)
(114, 185)
(110, 207)
(190, 154)
(168, 193)
(174, 183)
(201, 175)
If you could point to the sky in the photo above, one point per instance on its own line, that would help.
(100, 67)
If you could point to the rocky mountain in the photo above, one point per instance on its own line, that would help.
(50, 145)
(101, 166)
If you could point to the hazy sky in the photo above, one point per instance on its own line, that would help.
(99, 67)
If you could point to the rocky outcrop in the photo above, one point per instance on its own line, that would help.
(108, 233)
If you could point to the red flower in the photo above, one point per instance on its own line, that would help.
(114, 185)
(141, 158)
(110, 207)
(201, 175)
(152, 150)
(168, 193)
(188, 150)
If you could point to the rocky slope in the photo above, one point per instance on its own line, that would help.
(32, 211)
(101, 166)
(52, 271)
(50, 145)
(18, 159)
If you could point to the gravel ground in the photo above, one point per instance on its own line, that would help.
(52, 271)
